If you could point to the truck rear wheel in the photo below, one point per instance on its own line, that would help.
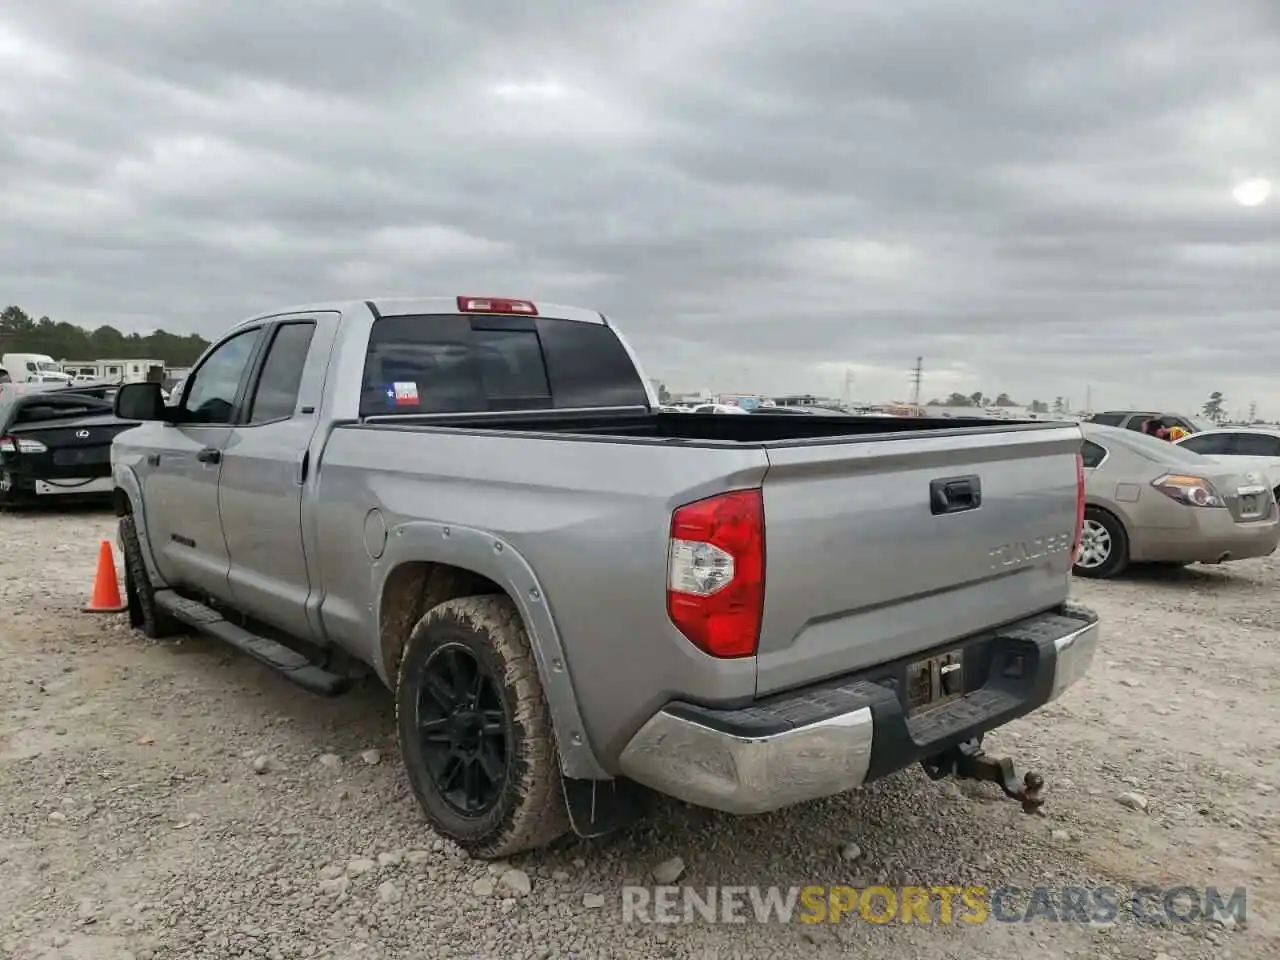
(144, 613)
(475, 731)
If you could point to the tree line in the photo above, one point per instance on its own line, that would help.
(980, 399)
(22, 333)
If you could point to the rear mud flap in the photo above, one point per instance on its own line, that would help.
(599, 807)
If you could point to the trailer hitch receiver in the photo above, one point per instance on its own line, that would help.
(967, 761)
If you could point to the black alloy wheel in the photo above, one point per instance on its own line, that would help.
(462, 729)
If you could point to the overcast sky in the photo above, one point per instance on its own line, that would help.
(1034, 197)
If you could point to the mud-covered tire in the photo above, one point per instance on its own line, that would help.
(528, 810)
(144, 614)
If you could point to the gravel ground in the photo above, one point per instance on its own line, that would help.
(178, 800)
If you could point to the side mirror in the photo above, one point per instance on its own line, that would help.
(141, 401)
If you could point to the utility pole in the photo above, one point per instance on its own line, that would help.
(917, 376)
(1253, 410)
(1088, 398)
(847, 397)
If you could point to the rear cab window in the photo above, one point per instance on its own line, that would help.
(451, 363)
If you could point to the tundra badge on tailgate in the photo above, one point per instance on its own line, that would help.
(1020, 553)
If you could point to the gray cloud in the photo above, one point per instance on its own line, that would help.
(1034, 200)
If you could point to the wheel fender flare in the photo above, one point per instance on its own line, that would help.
(126, 483)
(492, 556)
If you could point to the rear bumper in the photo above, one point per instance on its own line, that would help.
(822, 740)
(1213, 536)
(15, 486)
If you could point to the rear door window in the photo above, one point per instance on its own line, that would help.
(276, 394)
(461, 364)
(1108, 419)
(1255, 445)
(1209, 444)
(1092, 454)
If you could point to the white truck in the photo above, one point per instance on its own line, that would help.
(33, 368)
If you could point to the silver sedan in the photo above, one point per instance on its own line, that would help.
(1149, 501)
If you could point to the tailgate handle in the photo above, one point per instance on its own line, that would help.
(955, 494)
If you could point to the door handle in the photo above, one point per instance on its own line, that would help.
(153, 459)
(209, 455)
(955, 494)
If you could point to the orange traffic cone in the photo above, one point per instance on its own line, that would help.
(106, 588)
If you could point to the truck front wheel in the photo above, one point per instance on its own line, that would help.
(144, 613)
(475, 732)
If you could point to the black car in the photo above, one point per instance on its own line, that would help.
(56, 442)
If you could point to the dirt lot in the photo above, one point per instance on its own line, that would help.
(178, 800)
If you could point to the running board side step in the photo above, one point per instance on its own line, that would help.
(293, 665)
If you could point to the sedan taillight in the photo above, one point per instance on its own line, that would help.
(21, 445)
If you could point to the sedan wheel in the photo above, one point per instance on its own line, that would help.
(1095, 545)
(1104, 548)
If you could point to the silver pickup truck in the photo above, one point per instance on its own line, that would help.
(579, 601)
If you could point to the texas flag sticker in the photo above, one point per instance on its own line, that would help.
(403, 394)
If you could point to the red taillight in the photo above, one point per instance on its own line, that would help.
(496, 305)
(715, 572)
(1075, 550)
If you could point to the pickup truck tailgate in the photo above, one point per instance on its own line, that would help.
(862, 567)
